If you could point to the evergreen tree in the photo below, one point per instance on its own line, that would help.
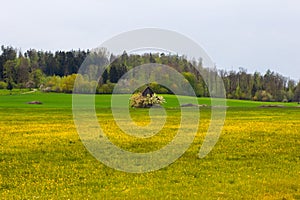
(297, 93)
(8, 53)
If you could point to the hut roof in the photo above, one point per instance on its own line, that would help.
(147, 91)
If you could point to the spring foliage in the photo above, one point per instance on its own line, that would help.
(137, 100)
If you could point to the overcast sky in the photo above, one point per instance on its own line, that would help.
(253, 34)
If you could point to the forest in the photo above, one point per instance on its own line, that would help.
(56, 72)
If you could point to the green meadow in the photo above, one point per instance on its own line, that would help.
(42, 157)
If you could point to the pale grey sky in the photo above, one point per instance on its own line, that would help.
(253, 34)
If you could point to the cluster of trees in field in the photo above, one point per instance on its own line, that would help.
(57, 72)
(33, 68)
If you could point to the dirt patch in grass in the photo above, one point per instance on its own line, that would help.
(272, 106)
(193, 105)
(34, 102)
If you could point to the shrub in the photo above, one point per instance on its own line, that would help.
(255, 98)
(139, 101)
(106, 88)
(285, 100)
(3, 85)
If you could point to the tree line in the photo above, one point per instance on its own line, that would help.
(57, 72)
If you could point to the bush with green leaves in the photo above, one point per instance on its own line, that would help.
(139, 101)
(3, 85)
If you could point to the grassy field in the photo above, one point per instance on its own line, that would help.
(19, 99)
(42, 157)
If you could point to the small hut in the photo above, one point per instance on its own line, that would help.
(147, 91)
